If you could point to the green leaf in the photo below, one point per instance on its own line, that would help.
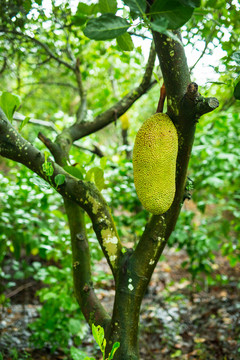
(74, 171)
(114, 349)
(160, 25)
(79, 20)
(137, 6)
(176, 14)
(236, 57)
(84, 9)
(236, 92)
(91, 160)
(96, 175)
(156, 77)
(98, 334)
(106, 27)
(24, 122)
(59, 179)
(213, 181)
(107, 6)
(9, 103)
(40, 182)
(103, 162)
(176, 354)
(48, 168)
(74, 325)
(27, 4)
(125, 42)
(77, 354)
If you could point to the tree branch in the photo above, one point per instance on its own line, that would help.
(79, 130)
(4, 65)
(49, 124)
(75, 88)
(85, 194)
(90, 305)
(81, 112)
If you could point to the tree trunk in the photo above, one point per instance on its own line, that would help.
(124, 324)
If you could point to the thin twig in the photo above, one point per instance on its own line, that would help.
(19, 289)
(81, 129)
(41, 44)
(49, 83)
(161, 99)
(4, 65)
(18, 117)
(82, 93)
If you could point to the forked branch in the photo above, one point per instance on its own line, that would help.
(13, 146)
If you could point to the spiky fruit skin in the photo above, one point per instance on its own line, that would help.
(154, 163)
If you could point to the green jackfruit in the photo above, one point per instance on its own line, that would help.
(154, 163)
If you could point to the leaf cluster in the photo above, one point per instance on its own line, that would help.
(160, 16)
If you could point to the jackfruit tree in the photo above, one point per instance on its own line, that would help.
(162, 148)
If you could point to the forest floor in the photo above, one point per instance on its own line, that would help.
(176, 322)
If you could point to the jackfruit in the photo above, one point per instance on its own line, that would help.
(125, 121)
(154, 163)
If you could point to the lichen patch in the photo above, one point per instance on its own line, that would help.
(110, 242)
(95, 204)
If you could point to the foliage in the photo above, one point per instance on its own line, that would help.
(9, 103)
(60, 318)
(98, 334)
(215, 172)
(50, 244)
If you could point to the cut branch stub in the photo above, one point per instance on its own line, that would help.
(195, 105)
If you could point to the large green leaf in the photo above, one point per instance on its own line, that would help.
(9, 103)
(125, 42)
(107, 6)
(106, 27)
(175, 13)
(137, 6)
